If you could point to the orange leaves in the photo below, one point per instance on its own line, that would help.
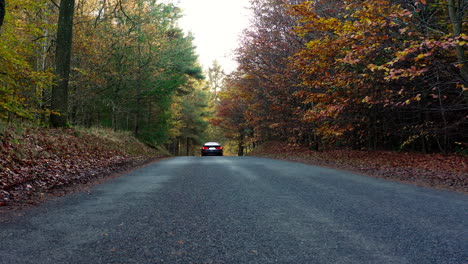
(417, 58)
(339, 63)
(364, 66)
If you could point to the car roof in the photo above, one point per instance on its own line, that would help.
(212, 143)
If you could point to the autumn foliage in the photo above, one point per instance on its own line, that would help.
(130, 63)
(365, 75)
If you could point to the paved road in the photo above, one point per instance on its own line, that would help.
(242, 210)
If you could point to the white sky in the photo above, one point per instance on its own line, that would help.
(216, 25)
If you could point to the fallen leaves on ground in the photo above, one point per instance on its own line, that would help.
(433, 170)
(35, 160)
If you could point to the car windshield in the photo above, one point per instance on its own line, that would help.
(211, 144)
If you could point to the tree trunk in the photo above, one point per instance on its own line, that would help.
(136, 128)
(455, 9)
(240, 146)
(62, 63)
(177, 147)
(2, 12)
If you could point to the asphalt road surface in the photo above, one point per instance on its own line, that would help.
(242, 210)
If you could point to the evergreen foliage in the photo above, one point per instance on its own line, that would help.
(130, 63)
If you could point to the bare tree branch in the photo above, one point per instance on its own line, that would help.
(55, 4)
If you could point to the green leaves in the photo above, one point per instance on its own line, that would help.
(141, 63)
(129, 61)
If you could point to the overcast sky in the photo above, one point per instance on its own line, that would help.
(216, 25)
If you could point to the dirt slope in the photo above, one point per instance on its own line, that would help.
(36, 161)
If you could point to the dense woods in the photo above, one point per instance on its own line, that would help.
(317, 81)
(130, 68)
(388, 75)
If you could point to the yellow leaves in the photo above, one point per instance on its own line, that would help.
(336, 64)
(402, 54)
(420, 56)
(367, 21)
(313, 43)
(407, 102)
(461, 86)
(374, 68)
(18, 77)
(417, 98)
(330, 131)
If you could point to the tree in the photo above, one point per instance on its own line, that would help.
(362, 74)
(457, 10)
(233, 114)
(394, 87)
(193, 108)
(131, 65)
(2, 12)
(62, 64)
(215, 79)
(142, 64)
(22, 81)
(264, 55)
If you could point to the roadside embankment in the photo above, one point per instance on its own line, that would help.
(36, 161)
(449, 172)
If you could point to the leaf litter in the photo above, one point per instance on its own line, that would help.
(448, 172)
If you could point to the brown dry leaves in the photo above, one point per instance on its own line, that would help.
(37, 160)
(432, 170)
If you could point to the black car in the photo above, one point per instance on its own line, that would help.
(212, 149)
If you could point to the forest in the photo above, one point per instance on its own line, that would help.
(120, 64)
(89, 88)
(361, 75)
